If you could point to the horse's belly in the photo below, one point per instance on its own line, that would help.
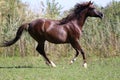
(56, 41)
(57, 37)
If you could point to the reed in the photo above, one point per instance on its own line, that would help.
(100, 37)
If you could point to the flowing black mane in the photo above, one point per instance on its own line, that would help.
(74, 13)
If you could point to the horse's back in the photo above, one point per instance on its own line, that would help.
(46, 29)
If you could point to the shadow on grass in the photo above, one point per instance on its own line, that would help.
(18, 67)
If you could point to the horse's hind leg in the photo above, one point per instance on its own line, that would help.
(40, 49)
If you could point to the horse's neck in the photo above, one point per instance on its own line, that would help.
(82, 18)
(80, 22)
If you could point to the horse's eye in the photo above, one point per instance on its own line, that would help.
(91, 8)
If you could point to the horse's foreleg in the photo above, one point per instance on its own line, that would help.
(84, 57)
(75, 57)
(40, 49)
(77, 47)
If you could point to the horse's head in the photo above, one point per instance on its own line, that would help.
(87, 8)
(92, 12)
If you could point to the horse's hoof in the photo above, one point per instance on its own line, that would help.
(85, 65)
(71, 62)
(52, 64)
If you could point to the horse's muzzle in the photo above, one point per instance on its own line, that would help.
(100, 15)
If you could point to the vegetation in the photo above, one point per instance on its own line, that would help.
(100, 37)
(103, 37)
(33, 68)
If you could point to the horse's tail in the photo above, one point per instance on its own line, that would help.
(17, 37)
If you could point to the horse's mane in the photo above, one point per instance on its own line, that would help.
(74, 13)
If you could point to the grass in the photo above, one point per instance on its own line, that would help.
(33, 68)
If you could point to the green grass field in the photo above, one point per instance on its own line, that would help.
(33, 68)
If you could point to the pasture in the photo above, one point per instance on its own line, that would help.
(34, 68)
(99, 38)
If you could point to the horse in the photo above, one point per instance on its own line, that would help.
(67, 30)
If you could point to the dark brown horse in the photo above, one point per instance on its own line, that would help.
(67, 30)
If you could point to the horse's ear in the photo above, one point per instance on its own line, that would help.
(90, 3)
(77, 6)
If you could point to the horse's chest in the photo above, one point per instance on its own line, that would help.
(75, 32)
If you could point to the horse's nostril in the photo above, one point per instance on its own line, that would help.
(102, 15)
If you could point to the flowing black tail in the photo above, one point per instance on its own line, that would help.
(18, 35)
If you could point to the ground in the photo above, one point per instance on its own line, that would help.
(34, 68)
